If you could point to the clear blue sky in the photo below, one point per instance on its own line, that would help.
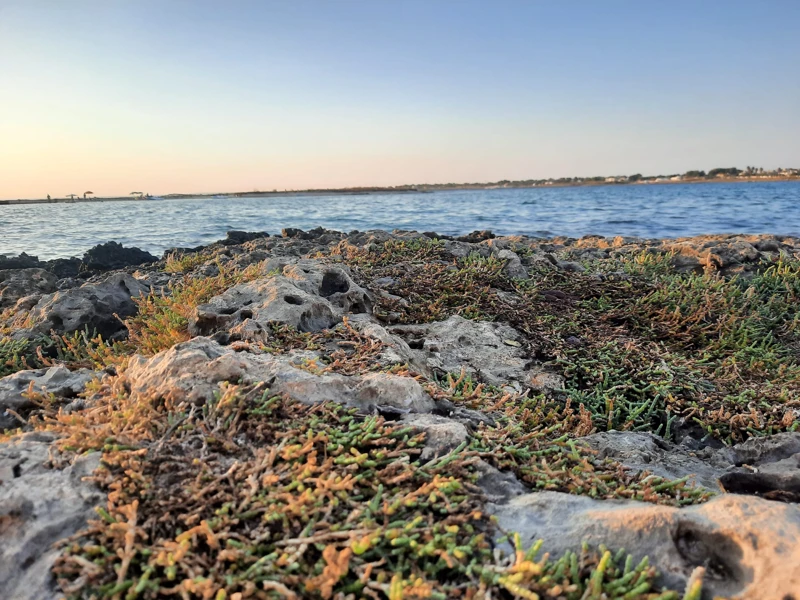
(197, 96)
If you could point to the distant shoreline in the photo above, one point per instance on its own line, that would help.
(389, 190)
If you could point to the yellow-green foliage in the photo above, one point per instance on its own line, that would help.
(163, 318)
(183, 262)
(639, 345)
(294, 501)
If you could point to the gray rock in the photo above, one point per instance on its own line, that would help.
(640, 451)
(514, 267)
(498, 487)
(761, 450)
(768, 466)
(273, 299)
(749, 546)
(58, 380)
(305, 294)
(395, 350)
(97, 306)
(333, 283)
(462, 249)
(441, 434)
(38, 507)
(19, 283)
(192, 372)
(541, 380)
(571, 266)
(489, 350)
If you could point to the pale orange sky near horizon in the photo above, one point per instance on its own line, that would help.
(196, 97)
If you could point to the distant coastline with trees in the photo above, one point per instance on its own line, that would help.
(720, 174)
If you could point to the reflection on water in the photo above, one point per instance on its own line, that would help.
(61, 230)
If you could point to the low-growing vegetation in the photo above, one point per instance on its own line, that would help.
(278, 499)
(640, 346)
(254, 495)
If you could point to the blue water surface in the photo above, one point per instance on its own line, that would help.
(673, 210)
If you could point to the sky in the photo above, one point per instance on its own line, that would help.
(199, 96)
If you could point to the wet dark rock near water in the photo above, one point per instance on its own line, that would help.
(233, 238)
(476, 236)
(23, 261)
(112, 256)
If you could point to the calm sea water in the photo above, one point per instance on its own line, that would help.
(62, 230)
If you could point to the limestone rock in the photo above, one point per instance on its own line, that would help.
(272, 299)
(750, 546)
(768, 466)
(38, 507)
(19, 283)
(97, 306)
(57, 380)
(441, 434)
(541, 380)
(395, 350)
(193, 370)
(514, 267)
(304, 294)
(489, 350)
(333, 283)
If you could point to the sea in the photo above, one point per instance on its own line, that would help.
(650, 211)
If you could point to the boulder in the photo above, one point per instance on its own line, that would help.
(97, 306)
(38, 507)
(749, 546)
(233, 238)
(19, 283)
(305, 294)
(23, 261)
(112, 256)
(58, 380)
(273, 299)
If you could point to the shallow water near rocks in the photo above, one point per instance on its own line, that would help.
(675, 210)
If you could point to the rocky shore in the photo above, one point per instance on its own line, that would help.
(403, 415)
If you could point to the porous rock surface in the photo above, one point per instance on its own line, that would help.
(768, 466)
(20, 283)
(492, 351)
(303, 294)
(38, 506)
(96, 306)
(747, 545)
(192, 372)
(58, 381)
